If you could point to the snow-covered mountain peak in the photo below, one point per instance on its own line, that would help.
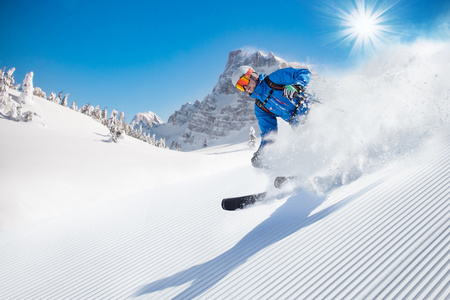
(149, 119)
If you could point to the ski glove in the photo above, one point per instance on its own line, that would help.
(292, 91)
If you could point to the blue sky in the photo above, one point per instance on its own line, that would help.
(136, 56)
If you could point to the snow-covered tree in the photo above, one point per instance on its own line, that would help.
(121, 117)
(59, 99)
(161, 143)
(86, 109)
(113, 125)
(74, 106)
(97, 113)
(252, 138)
(39, 92)
(128, 129)
(134, 133)
(8, 78)
(112, 121)
(52, 97)
(116, 135)
(64, 101)
(27, 89)
(8, 106)
(104, 116)
(27, 116)
(147, 138)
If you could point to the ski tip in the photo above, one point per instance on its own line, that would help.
(240, 202)
(228, 205)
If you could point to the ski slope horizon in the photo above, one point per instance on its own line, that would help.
(83, 217)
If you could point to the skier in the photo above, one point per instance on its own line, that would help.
(278, 94)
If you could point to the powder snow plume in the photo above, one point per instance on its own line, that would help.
(369, 118)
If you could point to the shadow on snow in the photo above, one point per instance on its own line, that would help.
(289, 218)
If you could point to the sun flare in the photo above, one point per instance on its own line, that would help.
(364, 25)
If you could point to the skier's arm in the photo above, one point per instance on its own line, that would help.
(291, 76)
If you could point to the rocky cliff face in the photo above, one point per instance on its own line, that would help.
(224, 113)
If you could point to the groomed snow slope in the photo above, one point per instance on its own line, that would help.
(84, 218)
(386, 235)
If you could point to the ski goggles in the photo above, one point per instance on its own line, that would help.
(244, 80)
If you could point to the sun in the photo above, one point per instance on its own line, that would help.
(363, 25)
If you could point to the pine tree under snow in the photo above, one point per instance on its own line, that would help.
(64, 101)
(27, 89)
(11, 108)
(39, 92)
(8, 106)
(8, 79)
(97, 113)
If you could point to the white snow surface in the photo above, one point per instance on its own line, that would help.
(85, 218)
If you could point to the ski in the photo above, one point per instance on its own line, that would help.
(242, 201)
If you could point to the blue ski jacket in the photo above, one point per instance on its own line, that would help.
(277, 105)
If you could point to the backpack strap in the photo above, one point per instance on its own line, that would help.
(262, 105)
(273, 86)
